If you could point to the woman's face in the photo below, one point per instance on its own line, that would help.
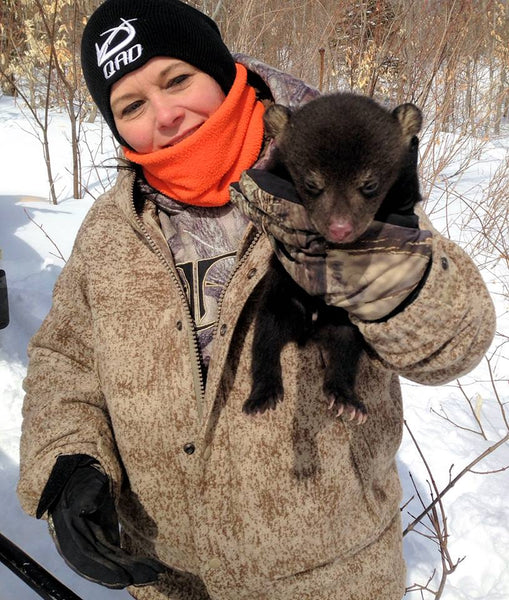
(162, 103)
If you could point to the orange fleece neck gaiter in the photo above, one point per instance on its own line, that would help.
(199, 169)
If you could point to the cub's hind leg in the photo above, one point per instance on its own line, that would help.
(342, 344)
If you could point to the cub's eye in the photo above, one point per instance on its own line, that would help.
(312, 186)
(369, 187)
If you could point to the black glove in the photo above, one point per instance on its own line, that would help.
(84, 525)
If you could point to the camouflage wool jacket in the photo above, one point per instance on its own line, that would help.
(290, 504)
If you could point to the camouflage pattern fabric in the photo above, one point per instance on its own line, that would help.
(284, 88)
(369, 278)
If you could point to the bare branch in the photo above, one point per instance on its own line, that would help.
(455, 480)
(59, 254)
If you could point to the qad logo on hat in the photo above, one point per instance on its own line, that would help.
(112, 54)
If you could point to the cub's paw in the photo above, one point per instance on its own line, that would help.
(351, 410)
(261, 400)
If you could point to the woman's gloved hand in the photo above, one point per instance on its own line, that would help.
(369, 278)
(84, 525)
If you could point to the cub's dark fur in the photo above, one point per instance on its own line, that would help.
(351, 161)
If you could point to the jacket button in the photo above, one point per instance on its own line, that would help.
(222, 331)
(214, 563)
(445, 263)
(189, 449)
(179, 325)
(251, 273)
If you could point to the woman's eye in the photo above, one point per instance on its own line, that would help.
(131, 108)
(177, 80)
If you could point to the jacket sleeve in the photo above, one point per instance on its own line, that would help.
(441, 334)
(64, 410)
(446, 330)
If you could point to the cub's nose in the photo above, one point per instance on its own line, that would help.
(340, 231)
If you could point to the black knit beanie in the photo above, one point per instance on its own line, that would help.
(122, 35)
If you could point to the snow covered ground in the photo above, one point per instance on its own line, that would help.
(440, 418)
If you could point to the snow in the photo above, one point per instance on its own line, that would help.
(441, 420)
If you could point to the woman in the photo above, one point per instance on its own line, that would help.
(137, 377)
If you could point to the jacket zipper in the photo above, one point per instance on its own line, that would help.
(226, 285)
(197, 359)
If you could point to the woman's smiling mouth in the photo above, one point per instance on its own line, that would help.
(179, 138)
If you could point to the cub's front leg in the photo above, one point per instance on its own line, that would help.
(281, 318)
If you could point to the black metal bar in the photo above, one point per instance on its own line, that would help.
(4, 302)
(31, 572)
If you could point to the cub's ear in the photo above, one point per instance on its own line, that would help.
(275, 119)
(410, 120)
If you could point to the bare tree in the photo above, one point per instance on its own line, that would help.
(39, 62)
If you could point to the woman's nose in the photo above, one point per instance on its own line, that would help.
(168, 114)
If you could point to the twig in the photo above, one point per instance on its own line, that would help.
(497, 396)
(59, 255)
(455, 480)
(443, 415)
(501, 470)
(438, 531)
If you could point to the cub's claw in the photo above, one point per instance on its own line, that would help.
(352, 411)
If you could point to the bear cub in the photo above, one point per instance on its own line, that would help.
(351, 161)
